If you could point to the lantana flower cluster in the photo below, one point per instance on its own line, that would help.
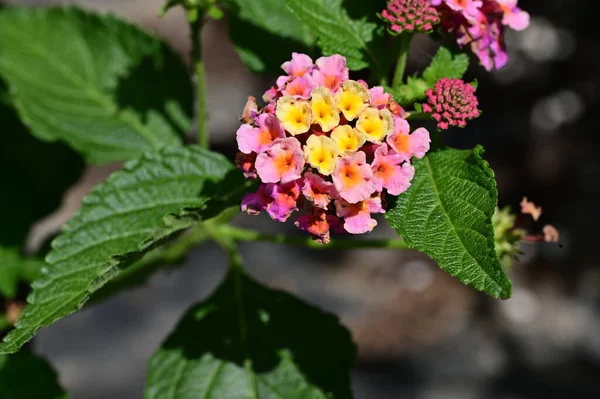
(326, 147)
(479, 24)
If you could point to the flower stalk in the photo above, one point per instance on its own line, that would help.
(199, 80)
(404, 44)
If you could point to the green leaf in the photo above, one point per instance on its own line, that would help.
(447, 214)
(4, 95)
(136, 210)
(338, 33)
(446, 65)
(107, 88)
(9, 272)
(34, 179)
(249, 42)
(3, 322)
(252, 23)
(249, 341)
(168, 256)
(274, 17)
(25, 375)
(15, 267)
(413, 90)
(30, 269)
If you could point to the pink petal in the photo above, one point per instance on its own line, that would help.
(318, 191)
(379, 98)
(419, 142)
(357, 218)
(283, 161)
(247, 139)
(317, 223)
(284, 200)
(353, 178)
(300, 87)
(298, 66)
(254, 203)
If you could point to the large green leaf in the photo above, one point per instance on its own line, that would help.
(34, 177)
(249, 42)
(274, 17)
(137, 209)
(27, 376)
(338, 33)
(249, 341)
(252, 23)
(447, 214)
(108, 89)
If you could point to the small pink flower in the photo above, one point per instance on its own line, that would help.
(318, 223)
(269, 109)
(513, 15)
(270, 95)
(466, 7)
(283, 161)
(408, 145)
(357, 217)
(284, 199)
(298, 66)
(390, 173)
(282, 81)
(379, 98)
(246, 163)
(395, 108)
(254, 203)
(300, 87)
(318, 191)
(353, 178)
(331, 72)
(258, 139)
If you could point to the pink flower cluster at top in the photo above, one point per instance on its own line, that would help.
(326, 146)
(410, 16)
(480, 24)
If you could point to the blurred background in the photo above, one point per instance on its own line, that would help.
(421, 334)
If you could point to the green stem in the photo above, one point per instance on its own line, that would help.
(199, 82)
(404, 45)
(239, 234)
(236, 270)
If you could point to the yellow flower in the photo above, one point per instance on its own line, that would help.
(321, 152)
(324, 109)
(348, 140)
(352, 99)
(294, 115)
(375, 124)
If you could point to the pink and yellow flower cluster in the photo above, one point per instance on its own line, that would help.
(326, 147)
(480, 24)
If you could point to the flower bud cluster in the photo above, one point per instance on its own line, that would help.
(410, 16)
(451, 103)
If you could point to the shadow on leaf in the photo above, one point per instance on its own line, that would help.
(291, 345)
